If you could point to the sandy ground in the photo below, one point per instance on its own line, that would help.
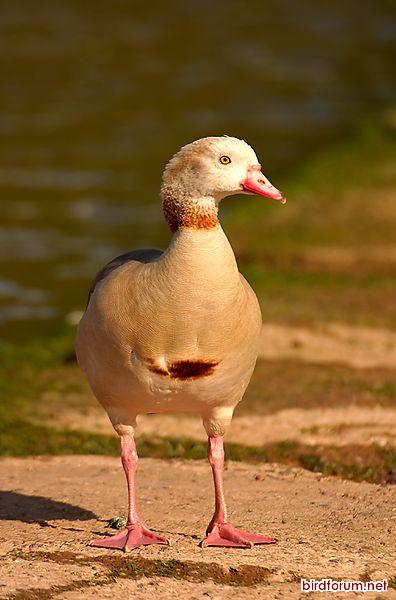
(339, 426)
(52, 507)
(355, 347)
(358, 347)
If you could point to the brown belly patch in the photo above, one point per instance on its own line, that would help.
(184, 369)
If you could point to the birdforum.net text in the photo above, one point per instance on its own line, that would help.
(331, 585)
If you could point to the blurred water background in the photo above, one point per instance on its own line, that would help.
(96, 96)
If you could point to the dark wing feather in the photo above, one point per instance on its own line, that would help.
(143, 256)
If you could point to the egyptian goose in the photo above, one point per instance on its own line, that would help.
(178, 331)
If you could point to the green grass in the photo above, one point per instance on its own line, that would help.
(36, 377)
(39, 380)
(284, 384)
(344, 199)
(300, 297)
(29, 370)
(373, 463)
(330, 199)
(22, 437)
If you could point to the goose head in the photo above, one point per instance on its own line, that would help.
(204, 172)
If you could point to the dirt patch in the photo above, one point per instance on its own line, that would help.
(357, 462)
(325, 527)
(35, 578)
(117, 565)
(358, 347)
(339, 426)
(323, 394)
(157, 587)
(352, 441)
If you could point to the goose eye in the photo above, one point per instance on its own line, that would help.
(225, 160)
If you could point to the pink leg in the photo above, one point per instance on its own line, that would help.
(136, 532)
(220, 532)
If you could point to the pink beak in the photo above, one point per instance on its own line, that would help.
(256, 183)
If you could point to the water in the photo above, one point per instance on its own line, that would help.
(96, 96)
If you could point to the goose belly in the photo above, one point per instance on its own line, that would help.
(164, 386)
(195, 385)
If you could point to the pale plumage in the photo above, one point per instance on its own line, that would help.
(178, 331)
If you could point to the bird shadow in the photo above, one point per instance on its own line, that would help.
(38, 509)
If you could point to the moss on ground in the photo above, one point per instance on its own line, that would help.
(372, 463)
(121, 567)
(117, 567)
